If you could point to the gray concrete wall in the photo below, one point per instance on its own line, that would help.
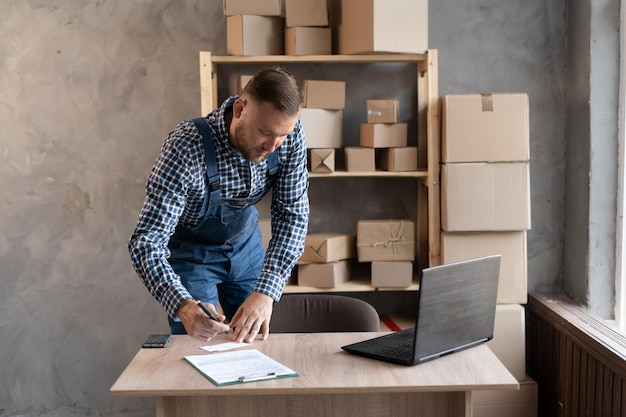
(89, 89)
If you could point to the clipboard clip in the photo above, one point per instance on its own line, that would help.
(271, 375)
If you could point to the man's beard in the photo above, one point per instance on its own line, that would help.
(241, 144)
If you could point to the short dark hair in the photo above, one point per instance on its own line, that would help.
(277, 86)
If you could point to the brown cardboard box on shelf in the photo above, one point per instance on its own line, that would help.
(328, 247)
(385, 240)
(306, 13)
(509, 339)
(322, 127)
(255, 35)
(392, 274)
(383, 26)
(485, 196)
(518, 403)
(513, 282)
(360, 159)
(308, 41)
(322, 160)
(322, 94)
(485, 127)
(254, 7)
(382, 110)
(327, 275)
(240, 82)
(397, 159)
(383, 135)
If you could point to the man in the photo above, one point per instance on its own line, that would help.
(198, 237)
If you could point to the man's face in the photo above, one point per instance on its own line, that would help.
(259, 128)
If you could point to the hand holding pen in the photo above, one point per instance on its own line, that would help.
(209, 313)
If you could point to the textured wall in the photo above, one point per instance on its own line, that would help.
(88, 91)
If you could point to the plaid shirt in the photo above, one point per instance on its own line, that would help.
(177, 187)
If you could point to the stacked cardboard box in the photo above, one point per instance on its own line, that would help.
(308, 31)
(326, 261)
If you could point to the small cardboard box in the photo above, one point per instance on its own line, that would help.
(521, 403)
(382, 110)
(320, 94)
(485, 197)
(308, 41)
(383, 26)
(322, 160)
(513, 282)
(240, 82)
(360, 159)
(509, 339)
(385, 240)
(328, 275)
(392, 274)
(255, 35)
(485, 128)
(328, 247)
(387, 135)
(323, 128)
(266, 231)
(254, 7)
(397, 159)
(306, 13)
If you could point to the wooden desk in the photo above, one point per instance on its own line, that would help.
(331, 382)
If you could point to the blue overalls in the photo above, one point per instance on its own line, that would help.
(221, 258)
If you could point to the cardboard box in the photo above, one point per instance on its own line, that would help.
(254, 7)
(328, 275)
(308, 41)
(322, 160)
(522, 403)
(397, 159)
(385, 240)
(306, 13)
(318, 94)
(485, 196)
(392, 274)
(255, 35)
(383, 26)
(266, 231)
(323, 128)
(513, 282)
(328, 247)
(379, 135)
(485, 127)
(509, 339)
(240, 82)
(382, 110)
(360, 159)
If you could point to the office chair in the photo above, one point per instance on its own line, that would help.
(318, 313)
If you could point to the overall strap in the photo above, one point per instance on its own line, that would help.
(209, 153)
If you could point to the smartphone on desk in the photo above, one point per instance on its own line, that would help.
(157, 341)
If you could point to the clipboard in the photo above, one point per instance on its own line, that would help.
(238, 367)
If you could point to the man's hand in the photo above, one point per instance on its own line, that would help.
(253, 316)
(197, 324)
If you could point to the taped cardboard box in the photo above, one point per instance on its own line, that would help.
(327, 275)
(306, 13)
(323, 94)
(485, 128)
(485, 196)
(397, 159)
(360, 159)
(322, 160)
(392, 274)
(385, 240)
(328, 247)
(322, 127)
(509, 339)
(254, 7)
(383, 26)
(255, 35)
(383, 110)
(383, 135)
(513, 281)
(308, 41)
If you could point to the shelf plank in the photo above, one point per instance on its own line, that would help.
(374, 174)
(349, 286)
(326, 59)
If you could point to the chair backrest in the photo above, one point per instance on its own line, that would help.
(318, 313)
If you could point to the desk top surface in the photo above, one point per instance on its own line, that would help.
(322, 365)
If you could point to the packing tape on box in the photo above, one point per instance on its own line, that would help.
(487, 101)
(394, 241)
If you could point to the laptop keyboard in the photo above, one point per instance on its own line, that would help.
(403, 350)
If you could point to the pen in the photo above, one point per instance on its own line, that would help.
(257, 378)
(208, 312)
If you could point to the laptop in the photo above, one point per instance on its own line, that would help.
(456, 307)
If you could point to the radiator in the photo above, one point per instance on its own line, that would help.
(578, 361)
